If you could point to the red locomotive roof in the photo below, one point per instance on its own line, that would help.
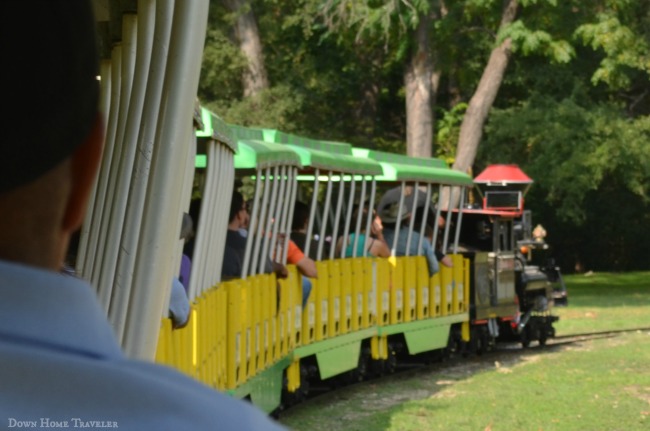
(503, 174)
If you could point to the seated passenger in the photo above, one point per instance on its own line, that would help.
(179, 305)
(187, 232)
(299, 232)
(306, 267)
(440, 256)
(388, 211)
(374, 243)
(233, 258)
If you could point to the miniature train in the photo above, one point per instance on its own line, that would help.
(364, 312)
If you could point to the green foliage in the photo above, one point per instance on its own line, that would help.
(273, 108)
(447, 129)
(625, 50)
(591, 168)
(569, 149)
(221, 70)
(397, 146)
(537, 42)
(374, 18)
(526, 3)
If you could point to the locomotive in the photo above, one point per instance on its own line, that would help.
(510, 298)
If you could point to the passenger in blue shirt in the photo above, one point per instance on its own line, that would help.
(60, 365)
(388, 210)
(425, 250)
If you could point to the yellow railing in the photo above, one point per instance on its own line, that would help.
(242, 327)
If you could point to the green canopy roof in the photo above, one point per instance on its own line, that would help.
(324, 161)
(258, 152)
(197, 116)
(382, 156)
(324, 155)
(241, 132)
(397, 167)
(259, 148)
(217, 129)
(255, 154)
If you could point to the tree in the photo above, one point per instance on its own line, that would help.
(572, 108)
(471, 129)
(419, 90)
(247, 35)
(228, 82)
(408, 23)
(511, 36)
(620, 31)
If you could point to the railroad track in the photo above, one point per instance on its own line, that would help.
(456, 366)
(594, 335)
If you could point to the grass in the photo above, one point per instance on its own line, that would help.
(606, 301)
(599, 384)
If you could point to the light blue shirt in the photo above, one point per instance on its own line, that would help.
(60, 364)
(400, 249)
(179, 304)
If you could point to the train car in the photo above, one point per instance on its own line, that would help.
(129, 247)
(510, 299)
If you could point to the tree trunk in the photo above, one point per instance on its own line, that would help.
(471, 129)
(435, 87)
(366, 113)
(417, 80)
(254, 78)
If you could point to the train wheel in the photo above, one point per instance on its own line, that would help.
(391, 362)
(455, 343)
(547, 332)
(485, 343)
(525, 338)
(542, 339)
(362, 370)
(436, 356)
(381, 367)
(304, 382)
(477, 342)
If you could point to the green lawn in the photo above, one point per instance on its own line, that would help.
(605, 301)
(598, 384)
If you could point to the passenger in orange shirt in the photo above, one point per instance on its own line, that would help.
(305, 265)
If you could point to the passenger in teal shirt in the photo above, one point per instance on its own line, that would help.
(375, 244)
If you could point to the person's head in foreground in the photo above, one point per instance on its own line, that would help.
(60, 364)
